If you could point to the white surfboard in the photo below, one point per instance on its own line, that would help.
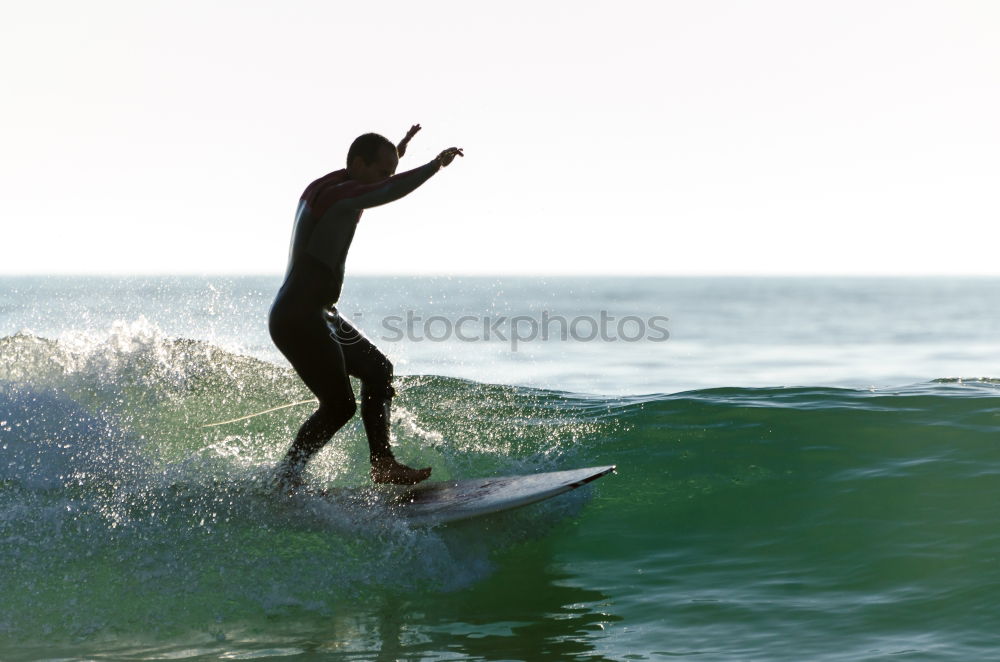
(448, 501)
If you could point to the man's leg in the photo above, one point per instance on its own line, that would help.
(373, 368)
(312, 436)
(319, 361)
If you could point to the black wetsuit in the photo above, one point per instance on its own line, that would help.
(304, 323)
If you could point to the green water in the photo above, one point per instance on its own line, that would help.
(743, 523)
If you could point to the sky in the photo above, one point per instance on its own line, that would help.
(699, 137)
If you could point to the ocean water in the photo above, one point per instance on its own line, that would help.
(808, 469)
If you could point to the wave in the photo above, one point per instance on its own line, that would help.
(114, 494)
(120, 512)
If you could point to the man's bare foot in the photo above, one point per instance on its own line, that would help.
(391, 471)
(287, 480)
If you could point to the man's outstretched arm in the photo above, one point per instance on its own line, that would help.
(363, 196)
(401, 147)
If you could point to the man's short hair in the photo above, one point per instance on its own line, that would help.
(367, 147)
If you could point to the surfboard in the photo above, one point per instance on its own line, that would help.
(441, 502)
(448, 501)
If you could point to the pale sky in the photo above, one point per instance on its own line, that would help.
(695, 137)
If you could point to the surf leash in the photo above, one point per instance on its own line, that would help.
(259, 413)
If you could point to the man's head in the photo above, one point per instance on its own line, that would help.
(371, 158)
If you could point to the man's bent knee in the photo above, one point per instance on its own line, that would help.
(335, 416)
(379, 385)
(377, 389)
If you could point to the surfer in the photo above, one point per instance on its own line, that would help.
(322, 346)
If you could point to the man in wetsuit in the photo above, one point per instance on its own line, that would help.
(304, 322)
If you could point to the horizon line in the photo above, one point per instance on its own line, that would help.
(457, 274)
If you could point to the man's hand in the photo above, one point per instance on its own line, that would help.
(448, 155)
(401, 147)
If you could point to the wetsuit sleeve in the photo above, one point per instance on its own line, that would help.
(363, 196)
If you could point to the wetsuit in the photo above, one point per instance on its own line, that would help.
(306, 326)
